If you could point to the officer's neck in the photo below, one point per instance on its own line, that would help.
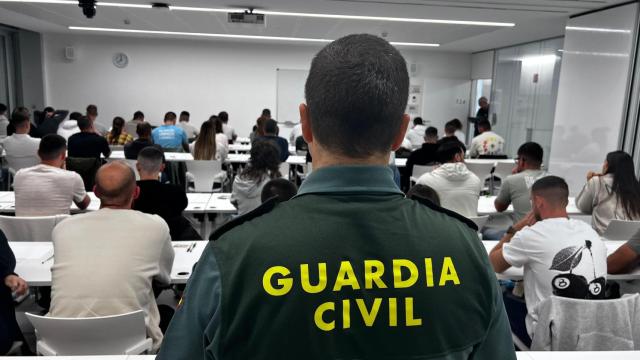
(324, 158)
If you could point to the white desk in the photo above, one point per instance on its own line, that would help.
(486, 206)
(514, 273)
(169, 156)
(245, 148)
(243, 140)
(292, 160)
(34, 261)
(199, 203)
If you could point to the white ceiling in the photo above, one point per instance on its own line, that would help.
(534, 19)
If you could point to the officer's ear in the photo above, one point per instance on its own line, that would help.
(305, 123)
(397, 140)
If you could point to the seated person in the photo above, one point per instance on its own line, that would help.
(118, 135)
(48, 189)
(623, 261)
(222, 140)
(271, 135)
(21, 149)
(92, 115)
(107, 260)
(423, 192)
(553, 249)
(50, 120)
(416, 134)
(459, 188)
(131, 126)
(516, 188)
(144, 139)
(11, 284)
(70, 126)
(189, 129)
(425, 155)
(487, 143)
(459, 133)
(166, 200)
(86, 143)
(170, 136)
(227, 130)
(612, 194)
(283, 189)
(450, 129)
(263, 165)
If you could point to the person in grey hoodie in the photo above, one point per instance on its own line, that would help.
(70, 127)
(457, 187)
(263, 166)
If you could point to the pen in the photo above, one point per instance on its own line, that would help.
(49, 258)
(193, 245)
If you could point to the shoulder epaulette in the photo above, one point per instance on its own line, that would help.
(264, 208)
(453, 214)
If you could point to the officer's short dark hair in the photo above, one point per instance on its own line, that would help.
(270, 126)
(431, 132)
(84, 123)
(531, 152)
(448, 150)
(553, 189)
(138, 115)
(51, 146)
(424, 192)
(224, 116)
(417, 121)
(356, 93)
(282, 188)
(170, 116)
(484, 124)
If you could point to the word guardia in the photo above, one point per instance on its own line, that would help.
(405, 275)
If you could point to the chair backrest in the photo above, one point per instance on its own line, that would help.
(622, 230)
(503, 169)
(20, 162)
(86, 167)
(204, 173)
(36, 228)
(107, 335)
(116, 147)
(480, 221)
(566, 324)
(419, 170)
(481, 169)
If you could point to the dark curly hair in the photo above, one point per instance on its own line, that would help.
(264, 161)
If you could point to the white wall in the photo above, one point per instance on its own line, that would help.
(592, 92)
(482, 65)
(205, 77)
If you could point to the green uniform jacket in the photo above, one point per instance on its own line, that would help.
(348, 269)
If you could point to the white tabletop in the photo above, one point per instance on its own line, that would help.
(217, 203)
(486, 206)
(514, 273)
(236, 147)
(34, 260)
(169, 156)
(292, 160)
(243, 140)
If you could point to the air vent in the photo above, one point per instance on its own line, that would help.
(246, 18)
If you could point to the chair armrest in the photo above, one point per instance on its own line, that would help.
(141, 347)
(44, 349)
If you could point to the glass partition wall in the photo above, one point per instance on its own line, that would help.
(525, 88)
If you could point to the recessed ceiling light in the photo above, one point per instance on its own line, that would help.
(592, 29)
(228, 36)
(285, 13)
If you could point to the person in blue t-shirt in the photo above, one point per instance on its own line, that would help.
(170, 136)
(271, 135)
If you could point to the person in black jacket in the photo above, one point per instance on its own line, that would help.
(425, 155)
(11, 283)
(144, 139)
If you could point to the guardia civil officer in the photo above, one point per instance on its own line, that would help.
(349, 268)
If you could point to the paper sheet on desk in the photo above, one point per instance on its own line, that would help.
(31, 251)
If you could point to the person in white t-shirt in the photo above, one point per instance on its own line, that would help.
(106, 261)
(416, 134)
(457, 187)
(487, 143)
(226, 129)
(48, 189)
(189, 129)
(21, 149)
(560, 256)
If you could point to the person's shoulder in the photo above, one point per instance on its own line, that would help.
(265, 208)
(449, 215)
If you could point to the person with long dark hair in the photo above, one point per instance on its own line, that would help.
(117, 135)
(612, 194)
(264, 163)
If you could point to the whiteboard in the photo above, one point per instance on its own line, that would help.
(289, 96)
(592, 92)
